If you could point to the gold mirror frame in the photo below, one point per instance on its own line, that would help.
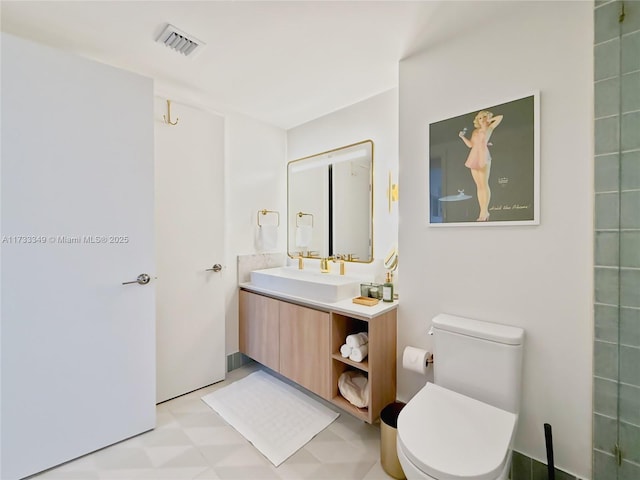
(319, 208)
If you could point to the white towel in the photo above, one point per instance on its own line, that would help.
(345, 350)
(354, 386)
(358, 354)
(268, 237)
(304, 233)
(357, 339)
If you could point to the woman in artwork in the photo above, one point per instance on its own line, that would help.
(479, 159)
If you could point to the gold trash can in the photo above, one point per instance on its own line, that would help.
(388, 437)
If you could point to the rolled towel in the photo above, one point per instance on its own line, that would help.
(357, 339)
(345, 350)
(358, 354)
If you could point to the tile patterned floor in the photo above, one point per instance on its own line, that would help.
(192, 442)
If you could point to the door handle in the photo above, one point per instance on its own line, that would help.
(216, 268)
(142, 279)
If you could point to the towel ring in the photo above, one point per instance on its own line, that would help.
(266, 212)
(299, 215)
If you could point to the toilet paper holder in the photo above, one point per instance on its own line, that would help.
(416, 359)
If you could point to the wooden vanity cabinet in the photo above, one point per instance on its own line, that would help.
(260, 329)
(303, 344)
(304, 347)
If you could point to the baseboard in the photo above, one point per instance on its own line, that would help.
(236, 360)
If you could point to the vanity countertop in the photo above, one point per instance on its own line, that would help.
(346, 306)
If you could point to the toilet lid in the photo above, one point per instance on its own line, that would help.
(448, 435)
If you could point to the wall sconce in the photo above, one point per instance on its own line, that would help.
(392, 192)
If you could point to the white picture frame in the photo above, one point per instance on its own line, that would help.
(500, 153)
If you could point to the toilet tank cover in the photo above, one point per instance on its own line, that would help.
(480, 329)
(451, 436)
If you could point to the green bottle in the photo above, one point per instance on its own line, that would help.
(387, 289)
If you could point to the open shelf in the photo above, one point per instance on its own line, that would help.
(361, 413)
(379, 366)
(341, 327)
(364, 365)
(339, 366)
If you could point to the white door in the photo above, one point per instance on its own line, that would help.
(190, 241)
(78, 346)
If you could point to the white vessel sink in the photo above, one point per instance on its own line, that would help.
(324, 287)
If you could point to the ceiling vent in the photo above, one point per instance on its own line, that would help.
(180, 41)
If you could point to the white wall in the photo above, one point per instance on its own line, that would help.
(377, 119)
(536, 277)
(256, 178)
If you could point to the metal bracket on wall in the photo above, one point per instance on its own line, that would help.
(264, 211)
(617, 453)
(167, 117)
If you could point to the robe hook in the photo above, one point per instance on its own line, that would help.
(167, 118)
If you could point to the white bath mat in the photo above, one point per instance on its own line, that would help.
(275, 417)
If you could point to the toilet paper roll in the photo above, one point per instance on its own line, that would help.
(415, 359)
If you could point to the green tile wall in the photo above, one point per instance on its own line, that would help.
(606, 285)
(630, 91)
(629, 131)
(605, 360)
(605, 400)
(630, 170)
(630, 247)
(607, 97)
(606, 323)
(630, 326)
(607, 59)
(616, 391)
(525, 468)
(607, 177)
(607, 133)
(630, 52)
(630, 404)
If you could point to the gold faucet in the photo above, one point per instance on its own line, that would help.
(325, 267)
(339, 259)
(300, 262)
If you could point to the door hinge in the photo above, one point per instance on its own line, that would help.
(617, 452)
(622, 15)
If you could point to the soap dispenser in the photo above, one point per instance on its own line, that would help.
(387, 289)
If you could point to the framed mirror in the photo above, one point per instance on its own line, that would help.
(330, 204)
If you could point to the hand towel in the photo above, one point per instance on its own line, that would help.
(304, 233)
(345, 350)
(268, 235)
(357, 339)
(358, 354)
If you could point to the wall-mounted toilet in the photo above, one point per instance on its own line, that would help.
(463, 425)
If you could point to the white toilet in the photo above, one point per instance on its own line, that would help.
(463, 425)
